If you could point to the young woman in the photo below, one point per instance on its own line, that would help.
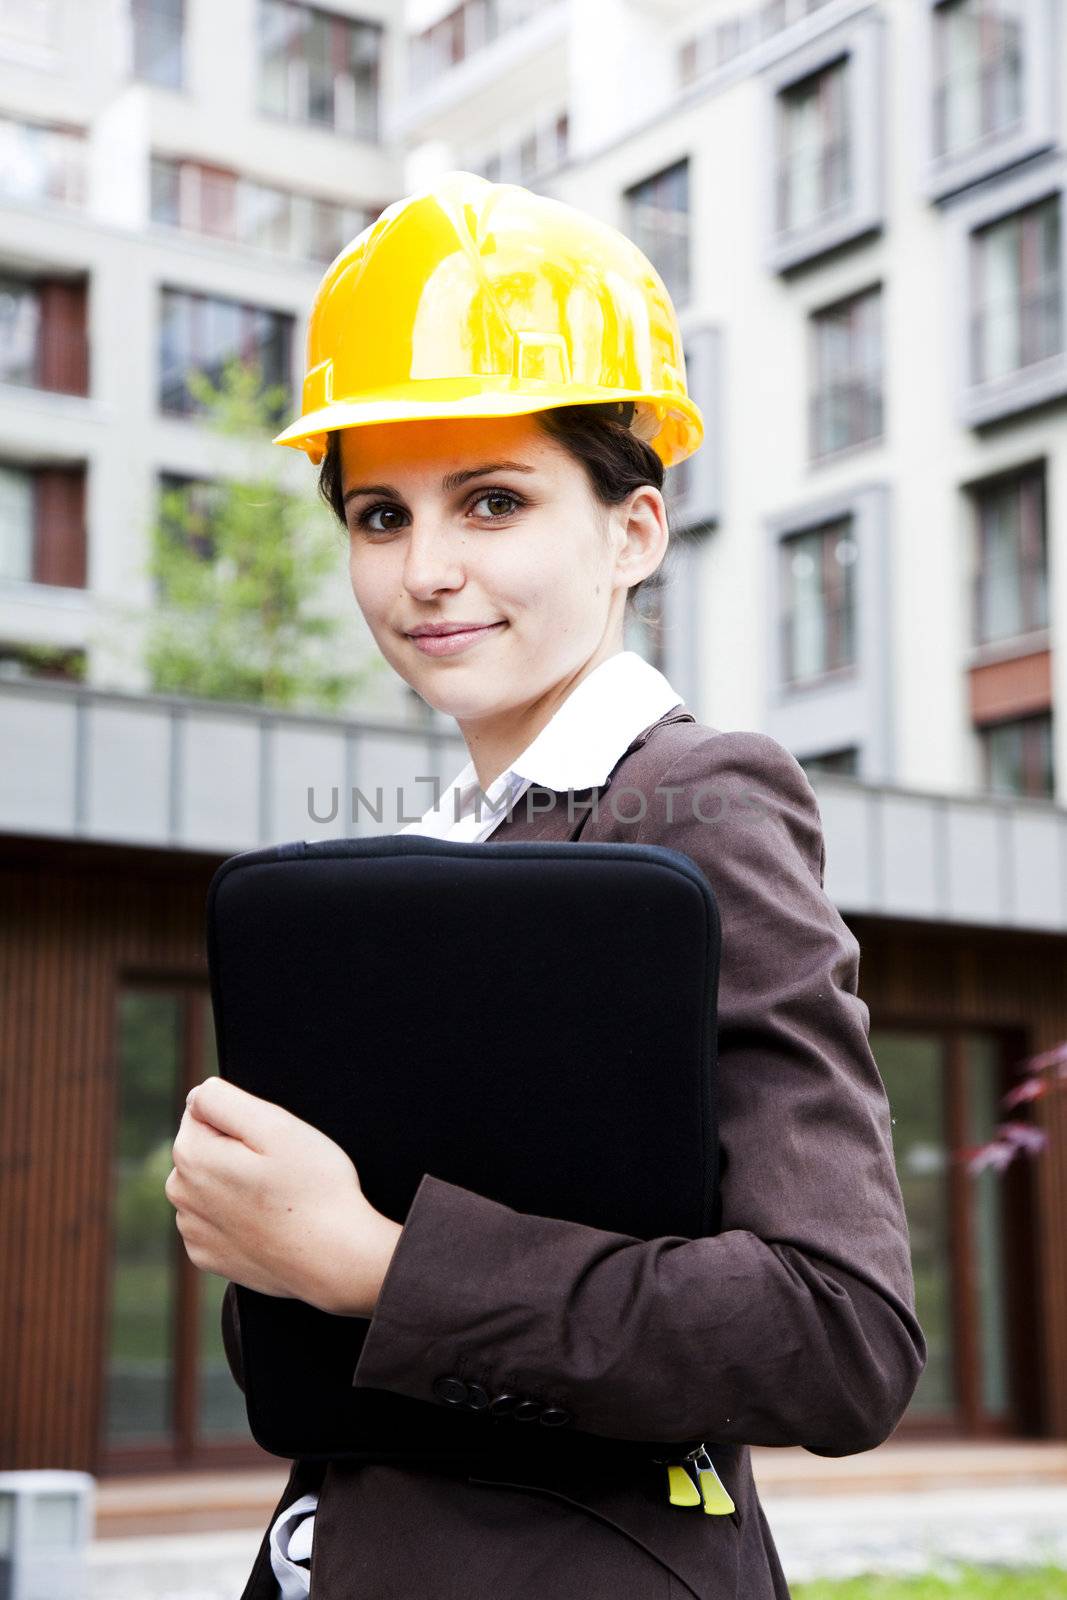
(495, 387)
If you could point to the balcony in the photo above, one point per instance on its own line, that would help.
(468, 90)
(169, 771)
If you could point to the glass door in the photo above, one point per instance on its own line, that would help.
(944, 1086)
(169, 1393)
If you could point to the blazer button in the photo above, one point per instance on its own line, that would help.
(502, 1405)
(477, 1398)
(555, 1417)
(453, 1391)
(528, 1411)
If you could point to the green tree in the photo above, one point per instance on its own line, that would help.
(239, 564)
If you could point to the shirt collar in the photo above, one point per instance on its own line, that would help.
(583, 740)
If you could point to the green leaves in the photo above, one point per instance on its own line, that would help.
(241, 564)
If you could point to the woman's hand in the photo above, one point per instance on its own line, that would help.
(272, 1203)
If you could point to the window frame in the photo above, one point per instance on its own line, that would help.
(850, 705)
(943, 176)
(978, 404)
(1033, 539)
(681, 164)
(200, 306)
(859, 39)
(819, 391)
(367, 130)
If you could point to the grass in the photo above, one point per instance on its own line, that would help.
(962, 1583)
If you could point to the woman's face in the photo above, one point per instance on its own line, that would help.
(490, 522)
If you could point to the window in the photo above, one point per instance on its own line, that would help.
(463, 31)
(1011, 549)
(318, 67)
(978, 72)
(814, 153)
(658, 223)
(1017, 756)
(158, 26)
(214, 201)
(40, 163)
(169, 1389)
(17, 515)
(944, 1087)
(42, 525)
(200, 333)
(1017, 291)
(43, 342)
(844, 761)
(194, 503)
(819, 601)
(823, 123)
(846, 354)
(42, 661)
(539, 150)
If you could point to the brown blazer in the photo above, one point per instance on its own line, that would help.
(795, 1325)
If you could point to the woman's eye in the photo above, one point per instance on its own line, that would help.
(511, 502)
(498, 495)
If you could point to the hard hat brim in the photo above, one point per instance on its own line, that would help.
(681, 432)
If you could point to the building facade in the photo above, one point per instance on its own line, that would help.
(858, 208)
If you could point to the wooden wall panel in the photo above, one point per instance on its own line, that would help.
(74, 921)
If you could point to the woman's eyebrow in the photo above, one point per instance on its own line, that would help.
(451, 480)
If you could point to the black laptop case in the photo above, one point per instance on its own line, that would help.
(534, 1021)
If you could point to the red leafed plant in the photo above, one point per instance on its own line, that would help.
(1042, 1075)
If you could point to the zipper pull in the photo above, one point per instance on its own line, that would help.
(713, 1492)
(682, 1491)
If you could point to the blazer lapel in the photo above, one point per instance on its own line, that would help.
(541, 813)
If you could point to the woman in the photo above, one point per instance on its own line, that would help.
(495, 386)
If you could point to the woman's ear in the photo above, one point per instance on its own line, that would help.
(645, 533)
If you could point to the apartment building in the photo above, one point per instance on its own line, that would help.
(858, 208)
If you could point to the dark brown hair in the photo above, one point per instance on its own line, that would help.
(616, 462)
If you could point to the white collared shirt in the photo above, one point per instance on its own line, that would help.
(576, 749)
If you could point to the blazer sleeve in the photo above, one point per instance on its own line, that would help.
(795, 1324)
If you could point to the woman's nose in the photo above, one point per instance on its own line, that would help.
(431, 562)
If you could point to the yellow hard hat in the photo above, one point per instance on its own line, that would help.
(478, 299)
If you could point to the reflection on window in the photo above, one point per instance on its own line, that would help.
(140, 1374)
(40, 163)
(1011, 578)
(1018, 756)
(1017, 291)
(209, 200)
(844, 761)
(17, 518)
(164, 1393)
(814, 150)
(319, 67)
(198, 332)
(819, 599)
(658, 223)
(157, 41)
(944, 1090)
(846, 401)
(978, 72)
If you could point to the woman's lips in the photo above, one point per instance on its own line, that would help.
(449, 644)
